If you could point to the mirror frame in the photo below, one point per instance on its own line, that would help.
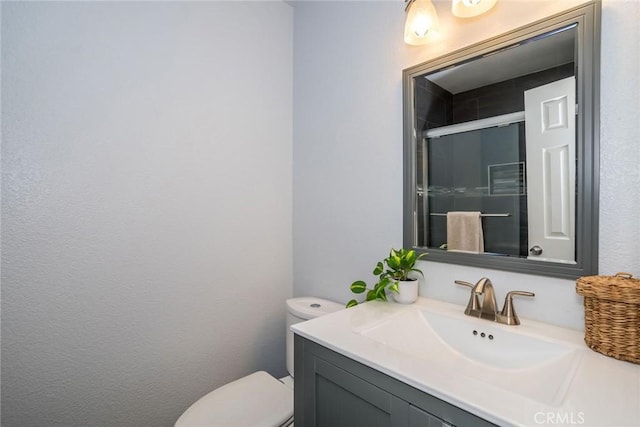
(588, 17)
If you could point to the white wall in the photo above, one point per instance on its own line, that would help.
(348, 61)
(146, 205)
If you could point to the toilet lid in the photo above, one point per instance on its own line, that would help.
(256, 400)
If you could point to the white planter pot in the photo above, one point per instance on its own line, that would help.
(408, 292)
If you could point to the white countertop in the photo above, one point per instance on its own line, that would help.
(604, 392)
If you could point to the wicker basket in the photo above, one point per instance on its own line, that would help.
(612, 315)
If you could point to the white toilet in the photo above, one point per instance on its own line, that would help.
(258, 399)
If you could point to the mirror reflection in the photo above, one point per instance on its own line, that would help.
(500, 144)
(487, 128)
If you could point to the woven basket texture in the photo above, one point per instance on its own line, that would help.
(612, 315)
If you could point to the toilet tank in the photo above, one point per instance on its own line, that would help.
(301, 309)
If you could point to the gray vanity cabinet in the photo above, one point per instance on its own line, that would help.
(334, 391)
(420, 418)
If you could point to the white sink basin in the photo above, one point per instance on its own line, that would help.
(501, 356)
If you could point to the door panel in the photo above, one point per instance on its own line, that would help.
(551, 158)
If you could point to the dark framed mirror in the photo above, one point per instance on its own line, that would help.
(501, 143)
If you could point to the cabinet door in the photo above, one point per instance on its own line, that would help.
(420, 418)
(342, 399)
(332, 390)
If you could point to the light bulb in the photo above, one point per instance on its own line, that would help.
(421, 25)
(422, 21)
(471, 8)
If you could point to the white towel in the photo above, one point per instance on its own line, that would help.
(464, 232)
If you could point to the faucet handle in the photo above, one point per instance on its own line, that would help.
(508, 314)
(462, 282)
(473, 306)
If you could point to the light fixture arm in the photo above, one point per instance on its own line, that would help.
(407, 5)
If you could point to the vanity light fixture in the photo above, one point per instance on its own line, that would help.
(421, 23)
(471, 8)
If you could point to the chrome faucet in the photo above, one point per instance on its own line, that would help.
(488, 308)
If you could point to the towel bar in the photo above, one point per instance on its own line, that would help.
(496, 215)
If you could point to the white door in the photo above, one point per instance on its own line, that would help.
(550, 126)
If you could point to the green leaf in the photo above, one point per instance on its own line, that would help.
(358, 287)
(411, 257)
(351, 303)
(394, 288)
(371, 295)
(379, 269)
(398, 275)
(393, 262)
(381, 294)
(384, 282)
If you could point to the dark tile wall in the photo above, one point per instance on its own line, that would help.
(504, 97)
(458, 181)
(434, 105)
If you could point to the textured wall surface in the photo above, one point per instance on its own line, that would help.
(620, 139)
(348, 147)
(146, 205)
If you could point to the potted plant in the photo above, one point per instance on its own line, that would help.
(393, 274)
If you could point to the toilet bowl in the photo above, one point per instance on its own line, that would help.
(257, 400)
